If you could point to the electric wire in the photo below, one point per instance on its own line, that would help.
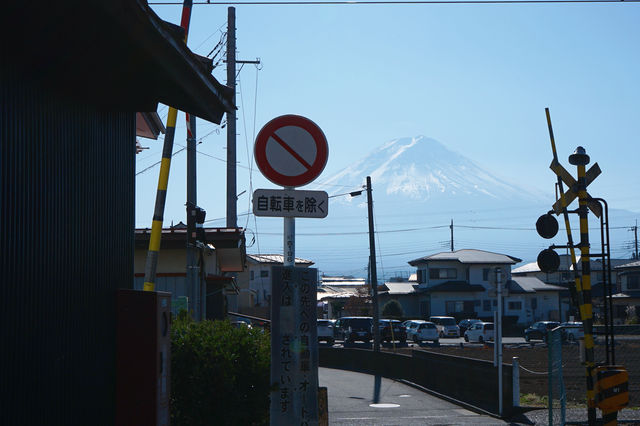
(388, 2)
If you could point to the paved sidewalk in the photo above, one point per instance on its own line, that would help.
(351, 402)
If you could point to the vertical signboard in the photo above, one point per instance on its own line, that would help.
(294, 347)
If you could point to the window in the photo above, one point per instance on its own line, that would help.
(515, 306)
(264, 274)
(486, 305)
(633, 282)
(454, 306)
(442, 273)
(420, 275)
(252, 276)
(485, 274)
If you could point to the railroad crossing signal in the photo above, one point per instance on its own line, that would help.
(572, 192)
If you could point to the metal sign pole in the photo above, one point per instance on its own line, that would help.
(498, 332)
(289, 239)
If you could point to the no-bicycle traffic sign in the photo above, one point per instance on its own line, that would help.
(291, 150)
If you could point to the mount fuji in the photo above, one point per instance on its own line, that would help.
(423, 170)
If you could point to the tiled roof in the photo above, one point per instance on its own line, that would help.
(530, 285)
(468, 256)
(275, 258)
(400, 288)
(528, 268)
(634, 264)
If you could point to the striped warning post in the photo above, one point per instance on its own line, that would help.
(612, 391)
(163, 179)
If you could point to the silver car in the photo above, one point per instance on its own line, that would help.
(419, 331)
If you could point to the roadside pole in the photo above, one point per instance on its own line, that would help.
(289, 255)
(498, 327)
(151, 264)
(373, 270)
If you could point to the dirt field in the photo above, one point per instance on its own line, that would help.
(535, 360)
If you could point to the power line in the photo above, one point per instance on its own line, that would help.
(387, 2)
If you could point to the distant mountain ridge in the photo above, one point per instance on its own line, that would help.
(423, 169)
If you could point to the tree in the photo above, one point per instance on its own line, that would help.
(359, 304)
(392, 309)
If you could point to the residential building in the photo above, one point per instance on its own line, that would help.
(405, 292)
(221, 256)
(461, 284)
(254, 283)
(335, 291)
(626, 303)
(564, 277)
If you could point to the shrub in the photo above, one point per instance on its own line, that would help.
(219, 374)
(392, 309)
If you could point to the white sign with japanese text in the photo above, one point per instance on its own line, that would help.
(290, 203)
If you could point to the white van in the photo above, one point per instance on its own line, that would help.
(479, 332)
(446, 326)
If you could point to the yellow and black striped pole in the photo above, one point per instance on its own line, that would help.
(580, 159)
(584, 297)
(565, 214)
(163, 179)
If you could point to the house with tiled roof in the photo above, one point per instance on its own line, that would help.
(462, 284)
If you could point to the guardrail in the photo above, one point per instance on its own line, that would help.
(471, 381)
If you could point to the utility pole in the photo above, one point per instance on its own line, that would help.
(232, 192)
(373, 272)
(635, 231)
(451, 227)
(193, 281)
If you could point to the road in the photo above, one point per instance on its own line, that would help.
(351, 402)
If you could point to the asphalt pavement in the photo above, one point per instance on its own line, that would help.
(351, 400)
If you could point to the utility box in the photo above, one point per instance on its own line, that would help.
(143, 358)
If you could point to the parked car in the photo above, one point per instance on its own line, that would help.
(465, 324)
(420, 330)
(351, 329)
(572, 331)
(538, 330)
(240, 323)
(407, 323)
(392, 330)
(325, 331)
(446, 326)
(479, 332)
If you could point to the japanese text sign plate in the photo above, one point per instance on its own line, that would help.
(291, 150)
(294, 347)
(290, 203)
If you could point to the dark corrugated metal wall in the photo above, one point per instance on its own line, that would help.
(66, 229)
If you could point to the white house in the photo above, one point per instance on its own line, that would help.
(255, 283)
(629, 295)
(564, 277)
(461, 284)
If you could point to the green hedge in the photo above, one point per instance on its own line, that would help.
(219, 374)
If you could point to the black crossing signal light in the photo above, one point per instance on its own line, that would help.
(200, 215)
(548, 261)
(547, 226)
(195, 215)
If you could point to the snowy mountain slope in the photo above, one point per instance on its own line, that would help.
(422, 169)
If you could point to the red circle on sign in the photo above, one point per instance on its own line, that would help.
(313, 170)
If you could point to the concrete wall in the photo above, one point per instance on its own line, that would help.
(468, 380)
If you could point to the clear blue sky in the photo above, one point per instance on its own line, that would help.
(475, 77)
